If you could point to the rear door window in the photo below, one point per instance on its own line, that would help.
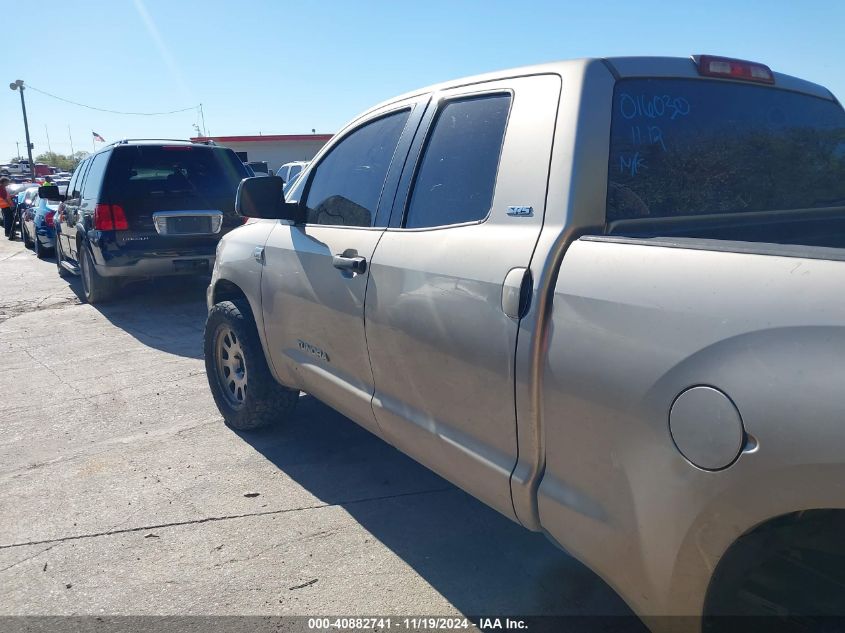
(457, 175)
(683, 147)
(73, 185)
(94, 178)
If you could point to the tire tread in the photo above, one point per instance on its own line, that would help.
(268, 403)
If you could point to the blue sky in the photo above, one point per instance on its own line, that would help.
(290, 67)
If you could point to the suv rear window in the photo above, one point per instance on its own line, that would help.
(683, 147)
(138, 171)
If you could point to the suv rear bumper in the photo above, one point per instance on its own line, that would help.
(143, 255)
(157, 266)
(161, 262)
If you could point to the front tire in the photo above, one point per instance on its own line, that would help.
(245, 392)
(96, 288)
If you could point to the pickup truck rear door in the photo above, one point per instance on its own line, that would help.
(316, 273)
(443, 302)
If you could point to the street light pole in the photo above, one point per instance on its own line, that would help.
(18, 85)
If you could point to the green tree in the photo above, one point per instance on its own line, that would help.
(64, 162)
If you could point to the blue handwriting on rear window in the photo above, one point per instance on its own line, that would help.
(652, 107)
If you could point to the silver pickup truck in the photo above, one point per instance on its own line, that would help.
(602, 296)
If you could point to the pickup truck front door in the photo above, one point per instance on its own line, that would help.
(443, 301)
(315, 275)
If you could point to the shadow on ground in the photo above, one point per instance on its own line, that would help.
(480, 561)
(167, 313)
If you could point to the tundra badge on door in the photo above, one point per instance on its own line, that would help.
(314, 351)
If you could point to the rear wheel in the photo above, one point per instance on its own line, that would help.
(27, 240)
(97, 289)
(245, 392)
(39, 248)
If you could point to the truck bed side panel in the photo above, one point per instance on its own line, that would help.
(633, 326)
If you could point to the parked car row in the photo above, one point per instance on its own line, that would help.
(34, 216)
(287, 172)
(38, 226)
(21, 169)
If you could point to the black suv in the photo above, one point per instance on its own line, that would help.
(144, 208)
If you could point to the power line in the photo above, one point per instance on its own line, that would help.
(82, 105)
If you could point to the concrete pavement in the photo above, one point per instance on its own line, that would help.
(122, 492)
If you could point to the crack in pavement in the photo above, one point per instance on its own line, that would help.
(30, 557)
(226, 518)
(103, 447)
(50, 369)
(9, 311)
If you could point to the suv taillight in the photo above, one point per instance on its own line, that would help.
(110, 217)
(120, 223)
(48, 218)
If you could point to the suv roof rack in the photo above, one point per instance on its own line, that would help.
(126, 141)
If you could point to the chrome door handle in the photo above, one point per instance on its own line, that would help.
(350, 261)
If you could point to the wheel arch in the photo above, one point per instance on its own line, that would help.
(81, 239)
(224, 289)
(785, 557)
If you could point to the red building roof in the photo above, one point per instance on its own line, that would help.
(264, 137)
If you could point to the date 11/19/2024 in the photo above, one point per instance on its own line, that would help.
(421, 623)
(644, 111)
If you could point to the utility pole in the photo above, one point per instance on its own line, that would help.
(202, 116)
(71, 141)
(49, 149)
(18, 85)
(18, 145)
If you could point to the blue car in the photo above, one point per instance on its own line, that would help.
(38, 227)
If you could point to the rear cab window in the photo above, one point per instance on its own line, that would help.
(726, 160)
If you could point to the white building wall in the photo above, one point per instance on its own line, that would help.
(276, 153)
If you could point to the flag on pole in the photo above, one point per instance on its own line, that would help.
(97, 137)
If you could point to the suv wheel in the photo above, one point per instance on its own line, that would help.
(96, 288)
(246, 393)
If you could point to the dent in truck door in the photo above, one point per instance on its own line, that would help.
(315, 274)
(466, 220)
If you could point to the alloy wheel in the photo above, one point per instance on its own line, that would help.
(231, 366)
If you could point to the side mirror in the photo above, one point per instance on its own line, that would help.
(263, 197)
(50, 192)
